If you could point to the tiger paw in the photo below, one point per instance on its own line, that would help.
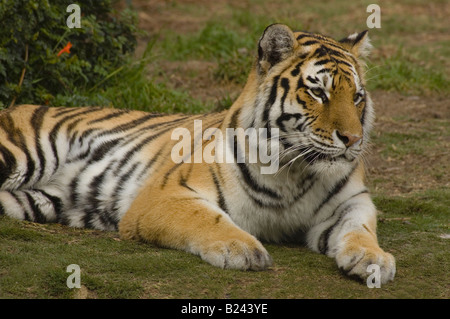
(237, 254)
(355, 261)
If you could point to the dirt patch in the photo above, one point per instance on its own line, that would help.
(395, 105)
(182, 16)
(416, 116)
(197, 78)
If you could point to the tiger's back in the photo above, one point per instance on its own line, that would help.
(80, 166)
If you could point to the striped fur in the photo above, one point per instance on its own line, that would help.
(111, 169)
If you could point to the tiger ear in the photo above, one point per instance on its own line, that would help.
(358, 44)
(275, 45)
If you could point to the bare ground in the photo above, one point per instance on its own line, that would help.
(418, 170)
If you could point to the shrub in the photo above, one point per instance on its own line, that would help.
(33, 32)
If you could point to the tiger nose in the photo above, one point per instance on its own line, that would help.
(348, 139)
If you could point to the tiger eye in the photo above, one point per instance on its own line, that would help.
(317, 92)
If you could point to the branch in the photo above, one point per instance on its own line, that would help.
(22, 75)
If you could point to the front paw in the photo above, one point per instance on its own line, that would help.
(236, 253)
(357, 254)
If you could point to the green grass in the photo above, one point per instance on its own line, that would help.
(403, 72)
(402, 144)
(34, 259)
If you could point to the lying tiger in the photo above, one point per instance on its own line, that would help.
(111, 169)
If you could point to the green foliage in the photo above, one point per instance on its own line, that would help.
(33, 33)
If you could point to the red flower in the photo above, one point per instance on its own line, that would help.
(66, 49)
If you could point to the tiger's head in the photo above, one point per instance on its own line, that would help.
(312, 88)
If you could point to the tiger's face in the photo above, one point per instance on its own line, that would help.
(314, 93)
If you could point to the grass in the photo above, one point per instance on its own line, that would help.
(413, 142)
(402, 72)
(34, 259)
(411, 57)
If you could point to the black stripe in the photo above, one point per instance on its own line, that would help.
(36, 123)
(10, 164)
(53, 135)
(71, 127)
(363, 114)
(312, 179)
(100, 152)
(354, 41)
(65, 110)
(306, 34)
(284, 117)
(38, 217)
(19, 201)
(120, 186)
(311, 79)
(73, 186)
(183, 182)
(133, 124)
(335, 190)
(301, 102)
(337, 46)
(296, 70)
(56, 201)
(324, 70)
(221, 199)
(16, 137)
(324, 237)
(334, 53)
(94, 202)
(116, 113)
(309, 42)
(249, 180)
(271, 100)
(265, 205)
(340, 61)
(285, 85)
(322, 62)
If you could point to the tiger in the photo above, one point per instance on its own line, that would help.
(111, 169)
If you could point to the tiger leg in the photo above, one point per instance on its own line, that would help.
(349, 236)
(194, 225)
